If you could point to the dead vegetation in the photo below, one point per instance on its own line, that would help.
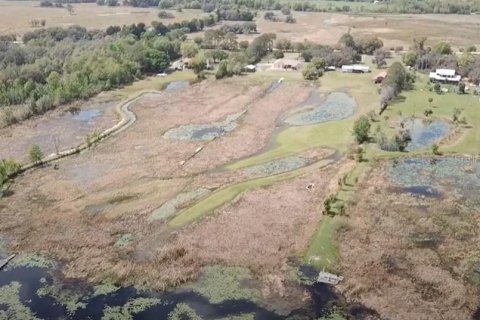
(409, 257)
(76, 212)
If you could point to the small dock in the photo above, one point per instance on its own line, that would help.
(4, 262)
(329, 278)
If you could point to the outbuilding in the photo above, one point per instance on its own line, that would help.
(355, 68)
(445, 75)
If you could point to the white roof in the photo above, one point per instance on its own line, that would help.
(443, 77)
(446, 72)
(356, 67)
(250, 66)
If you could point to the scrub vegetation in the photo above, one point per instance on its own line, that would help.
(263, 159)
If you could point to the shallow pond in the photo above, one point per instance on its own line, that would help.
(276, 166)
(86, 115)
(204, 132)
(175, 86)
(33, 293)
(337, 106)
(432, 176)
(424, 133)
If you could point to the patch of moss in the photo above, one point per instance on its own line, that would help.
(129, 309)
(104, 288)
(31, 260)
(67, 297)
(220, 283)
(124, 239)
(183, 311)
(10, 298)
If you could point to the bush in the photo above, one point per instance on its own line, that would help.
(35, 154)
(278, 54)
(310, 72)
(361, 129)
(165, 15)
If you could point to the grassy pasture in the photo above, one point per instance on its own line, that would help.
(15, 16)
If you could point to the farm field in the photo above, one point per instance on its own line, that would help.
(182, 193)
(394, 30)
(15, 16)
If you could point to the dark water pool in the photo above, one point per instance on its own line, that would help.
(424, 133)
(31, 300)
(175, 86)
(337, 106)
(33, 279)
(86, 115)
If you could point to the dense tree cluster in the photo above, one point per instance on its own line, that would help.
(58, 65)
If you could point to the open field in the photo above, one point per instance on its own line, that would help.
(15, 16)
(394, 30)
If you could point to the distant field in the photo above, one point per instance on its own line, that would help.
(393, 29)
(15, 16)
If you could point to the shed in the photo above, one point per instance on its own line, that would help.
(250, 68)
(355, 68)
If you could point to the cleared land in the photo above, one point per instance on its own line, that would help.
(394, 30)
(15, 16)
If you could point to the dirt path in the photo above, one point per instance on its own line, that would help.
(127, 116)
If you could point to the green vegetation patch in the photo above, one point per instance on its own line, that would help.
(129, 309)
(323, 251)
(183, 311)
(12, 307)
(104, 288)
(31, 260)
(123, 240)
(170, 207)
(220, 283)
(63, 295)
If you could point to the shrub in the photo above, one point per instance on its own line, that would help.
(35, 154)
(361, 128)
(278, 54)
(436, 149)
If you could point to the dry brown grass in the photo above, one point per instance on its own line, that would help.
(394, 30)
(390, 268)
(75, 213)
(15, 16)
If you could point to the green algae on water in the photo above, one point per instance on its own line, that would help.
(129, 309)
(10, 298)
(31, 260)
(104, 288)
(183, 311)
(220, 283)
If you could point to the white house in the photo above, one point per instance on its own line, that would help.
(445, 75)
(355, 68)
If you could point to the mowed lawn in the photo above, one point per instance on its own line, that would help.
(414, 103)
(335, 134)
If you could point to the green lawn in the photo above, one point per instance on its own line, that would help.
(414, 102)
(334, 135)
(323, 252)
